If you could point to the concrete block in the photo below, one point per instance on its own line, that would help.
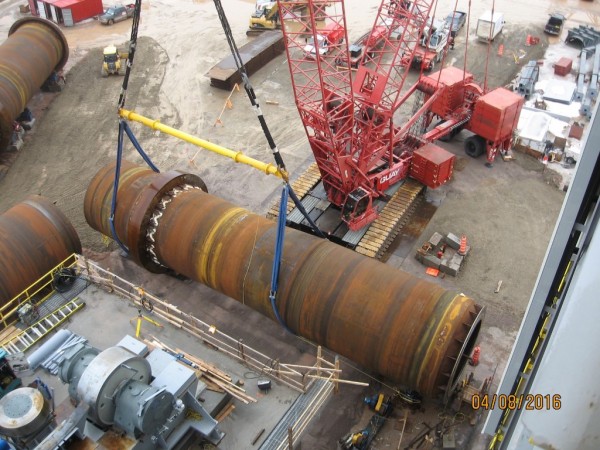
(453, 269)
(432, 261)
(453, 241)
(419, 257)
(457, 259)
(450, 268)
(436, 239)
(445, 265)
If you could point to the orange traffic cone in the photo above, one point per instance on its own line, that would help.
(462, 250)
(475, 358)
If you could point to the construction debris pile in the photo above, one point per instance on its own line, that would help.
(445, 254)
(561, 91)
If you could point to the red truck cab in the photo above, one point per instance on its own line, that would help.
(332, 34)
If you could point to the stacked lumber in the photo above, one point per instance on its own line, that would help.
(8, 333)
(214, 378)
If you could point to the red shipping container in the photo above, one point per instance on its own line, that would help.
(432, 165)
(454, 80)
(496, 115)
(563, 66)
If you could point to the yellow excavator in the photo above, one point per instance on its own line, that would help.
(115, 61)
(265, 18)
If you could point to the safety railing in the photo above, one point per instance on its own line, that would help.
(35, 294)
(235, 348)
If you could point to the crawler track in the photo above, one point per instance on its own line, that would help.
(382, 231)
(307, 181)
(392, 218)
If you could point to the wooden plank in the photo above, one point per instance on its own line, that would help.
(8, 333)
(223, 414)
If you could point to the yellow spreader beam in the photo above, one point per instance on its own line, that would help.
(239, 157)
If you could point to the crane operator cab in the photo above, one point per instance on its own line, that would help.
(353, 212)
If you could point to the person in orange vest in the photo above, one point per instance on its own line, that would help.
(474, 360)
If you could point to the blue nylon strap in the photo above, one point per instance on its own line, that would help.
(300, 207)
(138, 147)
(124, 127)
(278, 253)
(113, 204)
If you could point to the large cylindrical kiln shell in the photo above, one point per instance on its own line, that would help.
(33, 50)
(409, 330)
(35, 236)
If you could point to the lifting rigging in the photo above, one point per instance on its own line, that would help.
(147, 195)
(124, 128)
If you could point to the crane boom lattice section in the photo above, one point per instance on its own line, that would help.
(315, 33)
(349, 120)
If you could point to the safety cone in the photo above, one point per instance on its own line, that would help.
(501, 50)
(475, 358)
(462, 250)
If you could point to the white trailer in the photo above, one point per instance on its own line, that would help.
(489, 26)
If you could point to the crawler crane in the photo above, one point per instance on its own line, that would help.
(369, 131)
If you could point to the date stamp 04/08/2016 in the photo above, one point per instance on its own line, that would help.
(530, 402)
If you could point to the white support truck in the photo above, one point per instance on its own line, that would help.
(489, 26)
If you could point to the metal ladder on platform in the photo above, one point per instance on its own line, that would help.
(29, 336)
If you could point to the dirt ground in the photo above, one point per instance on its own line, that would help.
(508, 212)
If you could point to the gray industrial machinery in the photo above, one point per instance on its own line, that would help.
(150, 399)
(26, 416)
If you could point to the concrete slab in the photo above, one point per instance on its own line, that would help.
(453, 241)
(107, 319)
(436, 239)
(432, 261)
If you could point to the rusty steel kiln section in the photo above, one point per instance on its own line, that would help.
(35, 236)
(410, 331)
(33, 50)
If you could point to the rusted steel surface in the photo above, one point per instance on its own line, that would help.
(411, 331)
(33, 50)
(255, 54)
(35, 236)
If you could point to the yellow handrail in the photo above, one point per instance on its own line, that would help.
(9, 309)
(268, 168)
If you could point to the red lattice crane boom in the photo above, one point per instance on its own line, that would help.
(362, 136)
(350, 121)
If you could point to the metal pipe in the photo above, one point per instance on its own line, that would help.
(35, 236)
(411, 331)
(236, 156)
(33, 50)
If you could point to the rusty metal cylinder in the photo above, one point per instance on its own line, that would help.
(33, 50)
(35, 236)
(410, 331)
